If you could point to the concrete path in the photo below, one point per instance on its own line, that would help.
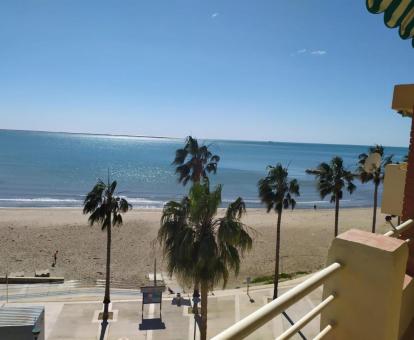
(71, 319)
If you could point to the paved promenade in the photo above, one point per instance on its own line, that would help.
(74, 316)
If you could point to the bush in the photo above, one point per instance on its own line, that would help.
(268, 279)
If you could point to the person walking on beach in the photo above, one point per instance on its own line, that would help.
(55, 258)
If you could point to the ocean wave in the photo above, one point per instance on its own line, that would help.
(144, 203)
(312, 202)
(320, 202)
(136, 202)
(40, 199)
(71, 202)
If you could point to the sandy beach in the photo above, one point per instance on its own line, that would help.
(29, 238)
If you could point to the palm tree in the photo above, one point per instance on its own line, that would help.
(105, 208)
(194, 162)
(332, 179)
(375, 174)
(276, 191)
(198, 245)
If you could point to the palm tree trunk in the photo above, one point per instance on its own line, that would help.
(276, 277)
(336, 214)
(198, 169)
(196, 296)
(197, 177)
(107, 299)
(203, 328)
(196, 291)
(374, 216)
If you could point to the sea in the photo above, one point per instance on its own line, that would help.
(49, 169)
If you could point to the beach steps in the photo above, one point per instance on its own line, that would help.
(62, 291)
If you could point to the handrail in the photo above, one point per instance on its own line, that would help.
(306, 319)
(323, 332)
(292, 323)
(401, 228)
(266, 313)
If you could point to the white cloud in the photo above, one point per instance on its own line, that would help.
(319, 52)
(214, 15)
(301, 51)
(304, 51)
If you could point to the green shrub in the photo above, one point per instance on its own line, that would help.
(268, 279)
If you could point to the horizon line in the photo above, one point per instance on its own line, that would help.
(181, 138)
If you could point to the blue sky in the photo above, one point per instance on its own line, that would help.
(297, 70)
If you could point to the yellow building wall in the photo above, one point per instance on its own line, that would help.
(394, 184)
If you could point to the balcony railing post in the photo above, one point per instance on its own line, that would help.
(369, 287)
(263, 315)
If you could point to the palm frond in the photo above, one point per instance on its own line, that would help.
(236, 209)
(94, 198)
(117, 219)
(331, 178)
(191, 145)
(276, 190)
(194, 162)
(351, 187)
(180, 156)
(103, 206)
(376, 174)
(196, 244)
(294, 187)
(112, 187)
(98, 215)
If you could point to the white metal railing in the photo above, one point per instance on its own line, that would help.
(266, 313)
(263, 315)
(401, 228)
(306, 319)
(323, 332)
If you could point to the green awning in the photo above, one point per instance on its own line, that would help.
(397, 13)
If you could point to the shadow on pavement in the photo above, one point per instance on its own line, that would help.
(104, 326)
(197, 319)
(151, 324)
(180, 302)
